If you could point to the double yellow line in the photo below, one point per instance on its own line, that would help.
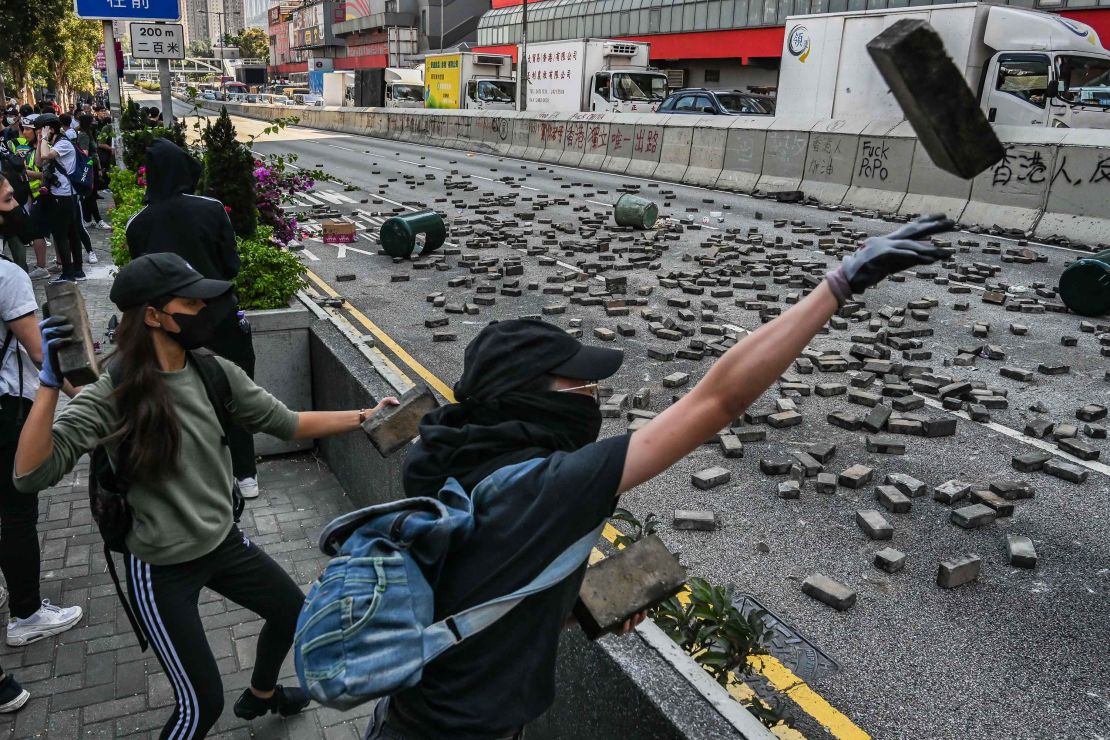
(778, 675)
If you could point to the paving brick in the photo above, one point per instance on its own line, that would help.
(1020, 551)
(826, 483)
(907, 484)
(874, 524)
(890, 560)
(1030, 461)
(1078, 448)
(789, 489)
(1001, 506)
(711, 478)
(1012, 490)
(892, 499)
(974, 516)
(823, 452)
(1066, 471)
(886, 445)
(828, 591)
(856, 476)
(676, 380)
(705, 521)
(784, 419)
(958, 571)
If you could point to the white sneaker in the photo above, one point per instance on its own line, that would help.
(48, 620)
(104, 225)
(93, 259)
(39, 273)
(248, 487)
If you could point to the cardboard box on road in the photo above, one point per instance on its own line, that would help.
(339, 232)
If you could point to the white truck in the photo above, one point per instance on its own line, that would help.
(1028, 68)
(598, 75)
(336, 85)
(466, 80)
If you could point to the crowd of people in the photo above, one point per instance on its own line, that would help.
(40, 151)
(174, 423)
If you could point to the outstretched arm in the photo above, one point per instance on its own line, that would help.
(743, 373)
(316, 424)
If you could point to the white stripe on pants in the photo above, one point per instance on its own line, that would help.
(188, 711)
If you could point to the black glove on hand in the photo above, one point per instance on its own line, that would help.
(881, 256)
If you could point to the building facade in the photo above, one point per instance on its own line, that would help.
(727, 44)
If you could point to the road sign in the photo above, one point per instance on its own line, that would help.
(128, 10)
(157, 41)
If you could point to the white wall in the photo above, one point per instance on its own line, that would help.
(733, 75)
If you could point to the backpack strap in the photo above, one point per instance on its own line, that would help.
(122, 484)
(218, 389)
(448, 632)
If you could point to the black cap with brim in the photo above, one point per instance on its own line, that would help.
(590, 363)
(160, 275)
(508, 355)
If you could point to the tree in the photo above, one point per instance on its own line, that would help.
(200, 48)
(66, 55)
(22, 22)
(253, 43)
(229, 174)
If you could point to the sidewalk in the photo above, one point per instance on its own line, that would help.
(93, 681)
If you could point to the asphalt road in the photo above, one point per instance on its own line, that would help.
(1017, 654)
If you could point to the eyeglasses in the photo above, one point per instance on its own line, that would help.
(592, 386)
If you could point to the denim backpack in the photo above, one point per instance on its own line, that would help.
(366, 629)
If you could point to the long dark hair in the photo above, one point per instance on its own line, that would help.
(145, 403)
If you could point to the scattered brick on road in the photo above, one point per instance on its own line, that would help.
(828, 591)
(958, 571)
(874, 524)
(890, 560)
(1021, 552)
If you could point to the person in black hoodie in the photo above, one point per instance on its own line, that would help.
(199, 230)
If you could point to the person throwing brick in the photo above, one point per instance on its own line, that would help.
(527, 417)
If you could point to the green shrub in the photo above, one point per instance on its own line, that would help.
(268, 276)
(229, 174)
(128, 196)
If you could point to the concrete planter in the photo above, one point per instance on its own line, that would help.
(283, 366)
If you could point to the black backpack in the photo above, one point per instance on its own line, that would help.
(108, 487)
(15, 170)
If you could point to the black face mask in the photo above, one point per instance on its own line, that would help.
(199, 329)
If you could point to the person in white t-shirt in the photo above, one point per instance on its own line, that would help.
(20, 356)
(57, 150)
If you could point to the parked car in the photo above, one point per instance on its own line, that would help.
(316, 101)
(280, 100)
(208, 95)
(702, 102)
(251, 98)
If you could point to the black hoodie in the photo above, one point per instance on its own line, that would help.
(174, 220)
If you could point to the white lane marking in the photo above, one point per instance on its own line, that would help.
(310, 199)
(1032, 441)
(479, 177)
(336, 146)
(387, 200)
(310, 255)
(344, 248)
(333, 197)
(599, 203)
(525, 187)
(420, 164)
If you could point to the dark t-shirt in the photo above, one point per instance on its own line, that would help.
(504, 677)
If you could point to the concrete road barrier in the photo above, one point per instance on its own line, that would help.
(708, 141)
(647, 145)
(555, 138)
(784, 158)
(596, 147)
(882, 168)
(744, 150)
(622, 135)
(1078, 205)
(1052, 182)
(674, 154)
(1013, 193)
(830, 159)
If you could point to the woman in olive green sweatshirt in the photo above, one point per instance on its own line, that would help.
(183, 535)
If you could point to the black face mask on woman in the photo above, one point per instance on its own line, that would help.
(199, 329)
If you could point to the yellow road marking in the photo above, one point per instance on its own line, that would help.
(781, 677)
(440, 387)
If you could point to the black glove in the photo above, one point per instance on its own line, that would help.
(881, 256)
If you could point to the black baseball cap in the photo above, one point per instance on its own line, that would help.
(507, 355)
(162, 274)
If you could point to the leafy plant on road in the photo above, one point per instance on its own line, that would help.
(229, 174)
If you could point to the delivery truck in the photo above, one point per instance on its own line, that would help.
(392, 87)
(336, 88)
(597, 75)
(1028, 68)
(467, 80)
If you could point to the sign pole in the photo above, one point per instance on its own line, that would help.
(164, 85)
(522, 63)
(114, 97)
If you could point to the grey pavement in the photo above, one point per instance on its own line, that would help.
(1000, 657)
(93, 681)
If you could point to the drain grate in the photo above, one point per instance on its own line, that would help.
(795, 652)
